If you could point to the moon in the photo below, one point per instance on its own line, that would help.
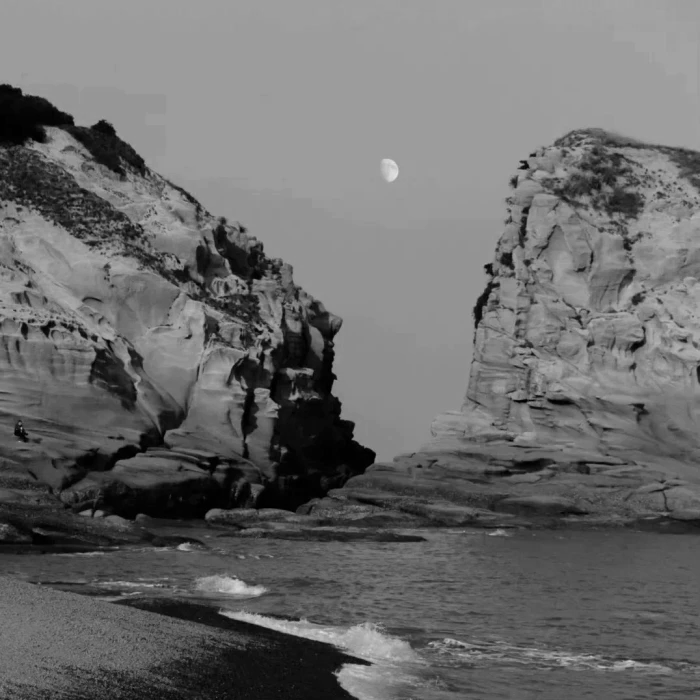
(389, 169)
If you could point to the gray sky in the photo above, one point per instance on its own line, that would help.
(277, 113)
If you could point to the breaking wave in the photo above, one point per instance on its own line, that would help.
(189, 547)
(499, 532)
(394, 661)
(230, 585)
(367, 640)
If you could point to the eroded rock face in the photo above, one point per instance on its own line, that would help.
(590, 332)
(132, 318)
(584, 391)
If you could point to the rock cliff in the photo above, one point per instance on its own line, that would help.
(584, 393)
(160, 361)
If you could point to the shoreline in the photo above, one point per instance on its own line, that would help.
(50, 529)
(67, 646)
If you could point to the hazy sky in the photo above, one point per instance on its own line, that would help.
(277, 113)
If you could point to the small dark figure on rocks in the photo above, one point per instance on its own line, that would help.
(20, 432)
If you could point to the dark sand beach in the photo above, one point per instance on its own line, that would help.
(65, 646)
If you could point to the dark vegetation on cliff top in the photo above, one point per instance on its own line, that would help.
(687, 160)
(605, 177)
(29, 180)
(23, 117)
(107, 148)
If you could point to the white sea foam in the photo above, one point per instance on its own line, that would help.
(500, 532)
(145, 550)
(502, 652)
(230, 585)
(367, 640)
(189, 547)
(380, 681)
(147, 583)
(393, 659)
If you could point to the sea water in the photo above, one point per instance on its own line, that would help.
(516, 616)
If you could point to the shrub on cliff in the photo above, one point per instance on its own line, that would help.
(602, 176)
(23, 117)
(601, 136)
(104, 127)
(687, 160)
(688, 163)
(599, 169)
(107, 148)
(625, 202)
(580, 185)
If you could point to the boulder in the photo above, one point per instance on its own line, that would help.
(680, 498)
(249, 517)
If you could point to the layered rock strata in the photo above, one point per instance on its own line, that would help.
(584, 392)
(160, 361)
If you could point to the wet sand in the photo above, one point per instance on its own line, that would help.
(65, 646)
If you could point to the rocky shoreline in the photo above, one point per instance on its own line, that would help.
(71, 647)
(192, 378)
(352, 514)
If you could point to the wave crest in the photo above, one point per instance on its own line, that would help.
(230, 585)
(393, 660)
(367, 640)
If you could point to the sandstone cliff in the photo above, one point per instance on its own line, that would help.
(584, 391)
(160, 361)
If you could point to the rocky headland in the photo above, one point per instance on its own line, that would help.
(161, 363)
(166, 368)
(583, 404)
